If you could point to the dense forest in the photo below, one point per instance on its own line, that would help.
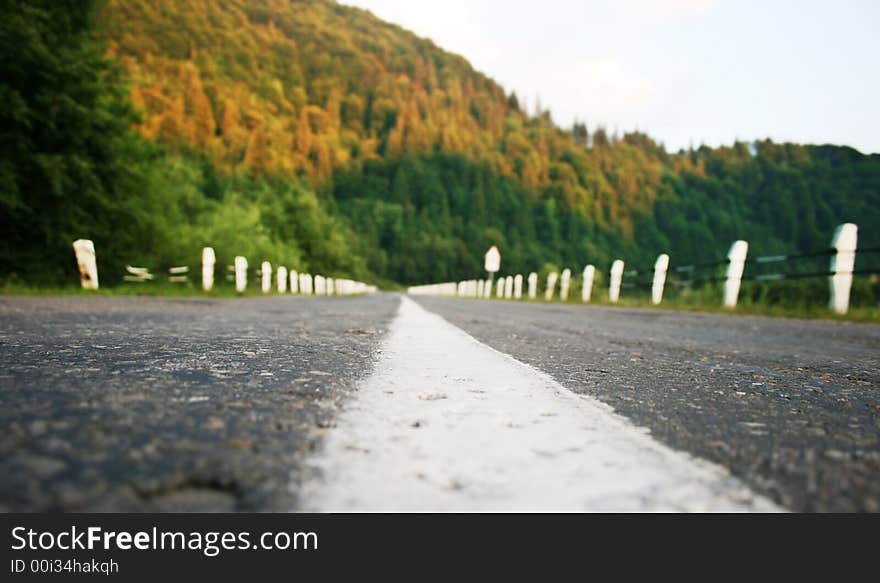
(315, 135)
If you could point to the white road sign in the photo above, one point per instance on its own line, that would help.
(493, 259)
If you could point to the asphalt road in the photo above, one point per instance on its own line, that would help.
(791, 407)
(161, 404)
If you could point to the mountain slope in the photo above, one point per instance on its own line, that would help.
(319, 90)
(309, 87)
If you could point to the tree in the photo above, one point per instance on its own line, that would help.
(68, 158)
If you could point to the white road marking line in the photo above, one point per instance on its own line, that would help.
(447, 423)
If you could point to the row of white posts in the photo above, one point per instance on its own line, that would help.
(510, 287)
(289, 281)
(284, 280)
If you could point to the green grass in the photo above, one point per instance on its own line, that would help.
(811, 312)
(805, 302)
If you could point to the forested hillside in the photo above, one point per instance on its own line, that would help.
(316, 135)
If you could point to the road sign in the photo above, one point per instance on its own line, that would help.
(493, 259)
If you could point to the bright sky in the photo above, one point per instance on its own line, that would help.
(701, 71)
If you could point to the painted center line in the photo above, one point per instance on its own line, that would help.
(446, 423)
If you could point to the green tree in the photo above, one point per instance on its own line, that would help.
(68, 159)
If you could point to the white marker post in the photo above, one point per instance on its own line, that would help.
(294, 282)
(305, 284)
(281, 279)
(331, 286)
(499, 288)
(87, 263)
(736, 258)
(320, 285)
(508, 287)
(615, 280)
(480, 290)
(487, 288)
(208, 261)
(533, 285)
(492, 262)
(241, 267)
(266, 273)
(551, 285)
(661, 266)
(842, 265)
(517, 286)
(587, 290)
(564, 284)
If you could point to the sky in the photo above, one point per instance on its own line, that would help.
(683, 71)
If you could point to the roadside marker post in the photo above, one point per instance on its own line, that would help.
(320, 285)
(294, 281)
(736, 258)
(661, 266)
(492, 262)
(616, 279)
(564, 284)
(588, 276)
(241, 267)
(499, 288)
(533, 285)
(281, 279)
(480, 285)
(551, 285)
(508, 287)
(87, 263)
(842, 264)
(208, 262)
(305, 284)
(517, 286)
(266, 274)
(330, 284)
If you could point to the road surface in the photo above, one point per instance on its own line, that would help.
(292, 403)
(161, 404)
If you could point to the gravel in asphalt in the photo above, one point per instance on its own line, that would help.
(170, 404)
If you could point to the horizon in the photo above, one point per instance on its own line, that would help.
(698, 91)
